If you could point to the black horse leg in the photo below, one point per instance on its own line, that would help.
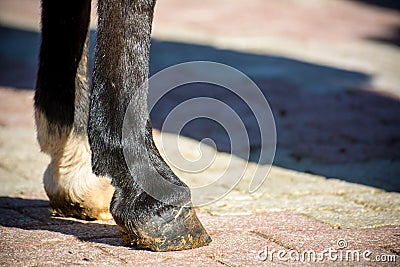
(163, 222)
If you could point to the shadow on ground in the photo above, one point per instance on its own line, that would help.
(392, 4)
(34, 214)
(328, 121)
(393, 36)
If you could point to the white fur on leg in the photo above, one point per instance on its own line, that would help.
(71, 186)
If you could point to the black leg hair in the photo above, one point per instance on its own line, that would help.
(63, 62)
(120, 75)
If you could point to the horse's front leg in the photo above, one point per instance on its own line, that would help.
(151, 205)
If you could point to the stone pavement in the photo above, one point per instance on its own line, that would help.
(292, 212)
(330, 198)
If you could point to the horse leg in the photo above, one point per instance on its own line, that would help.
(162, 219)
(61, 113)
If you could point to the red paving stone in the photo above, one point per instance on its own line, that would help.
(305, 20)
(29, 236)
(16, 108)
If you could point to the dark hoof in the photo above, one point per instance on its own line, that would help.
(176, 229)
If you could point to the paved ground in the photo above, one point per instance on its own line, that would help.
(330, 70)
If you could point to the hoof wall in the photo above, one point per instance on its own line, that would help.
(168, 231)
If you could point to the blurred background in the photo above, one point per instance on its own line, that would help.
(330, 70)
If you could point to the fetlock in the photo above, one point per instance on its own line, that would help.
(72, 188)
